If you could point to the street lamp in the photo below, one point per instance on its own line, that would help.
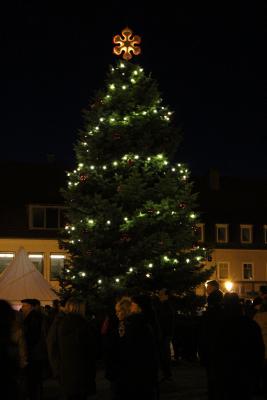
(228, 286)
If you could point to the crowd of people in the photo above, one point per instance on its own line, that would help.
(134, 340)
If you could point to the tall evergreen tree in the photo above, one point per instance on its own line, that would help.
(130, 205)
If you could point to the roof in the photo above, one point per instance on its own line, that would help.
(22, 280)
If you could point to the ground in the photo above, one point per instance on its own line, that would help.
(189, 383)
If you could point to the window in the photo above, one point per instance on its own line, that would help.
(38, 261)
(246, 233)
(46, 217)
(5, 259)
(223, 270)
(247, 271)
(221, 233)
(265, 233)
(56, 265)
(200, 232)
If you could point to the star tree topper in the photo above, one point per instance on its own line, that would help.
(127, 44)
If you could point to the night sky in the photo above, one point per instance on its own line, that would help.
(209, 61)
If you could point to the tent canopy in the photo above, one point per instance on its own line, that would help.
(21, 280)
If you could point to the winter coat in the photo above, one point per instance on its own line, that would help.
(75, 355)
(166, 318)
(261, 319)
(9, 365)
(232, 350)
(34, 332)
(53, 345)
(137, 360)
(19, 339)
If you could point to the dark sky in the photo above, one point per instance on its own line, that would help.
(209, 61)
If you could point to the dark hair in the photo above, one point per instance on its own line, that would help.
(231, 299)
(7, 318)
(215, 298)
(29, 301)
(263, 289)
(6, 311)
(143, 301)
(232, 306)
(56, 303)
(213, 283)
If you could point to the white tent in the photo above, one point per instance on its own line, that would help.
(21, 280)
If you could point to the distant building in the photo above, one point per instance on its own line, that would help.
(31, 214)
(234, 215)
(233, 211)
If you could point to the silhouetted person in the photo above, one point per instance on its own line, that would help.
(261, 319)
(74, 358)
(9, 354)
(165, 314)
(36, 348)
(215, 295)
(209, 332)
(135, 358)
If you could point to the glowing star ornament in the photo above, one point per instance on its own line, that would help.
(127, 44)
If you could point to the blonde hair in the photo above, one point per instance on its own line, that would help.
(75, 306)
(123, 306)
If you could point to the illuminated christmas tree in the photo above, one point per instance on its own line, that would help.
(130, 204)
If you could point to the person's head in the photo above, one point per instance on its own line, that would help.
(7, 319)
(141, 303)
(257, 301)
(212, 286)
(27, 305)
(36, 304)
(123, 308)
(62, 304)
(263, 291)
(231, 303)
(164, 294)
(264, 305)
(74, 305)
(7, 314)
(56, 304)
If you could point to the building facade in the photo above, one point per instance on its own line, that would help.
(233, 213)
(31, 216)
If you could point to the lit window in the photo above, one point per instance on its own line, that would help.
(5, 260)
(265, 233)
(46, 217)
(56, 266)
(247, 271)
(221, 233)
(38, 261)
(223, 270)
(246, 233)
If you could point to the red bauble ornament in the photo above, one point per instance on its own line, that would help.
(182, 205)
(83, 178)
(151, 211)
(130, 161)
